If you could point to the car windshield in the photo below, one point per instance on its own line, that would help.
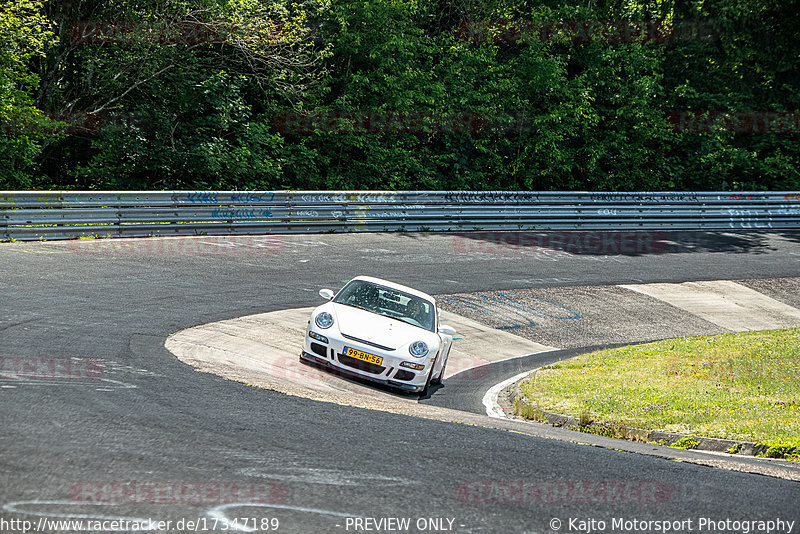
(388, 302)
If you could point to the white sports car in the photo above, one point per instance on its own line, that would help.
(381, 331)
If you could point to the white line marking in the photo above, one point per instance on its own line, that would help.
(493, 409)
(12, 383)
(219, 513)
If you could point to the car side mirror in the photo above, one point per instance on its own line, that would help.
(327, 294)
(448, 330)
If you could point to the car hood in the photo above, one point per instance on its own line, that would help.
(385, 331)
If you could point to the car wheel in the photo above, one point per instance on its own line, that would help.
(426, 390)
(438, 380)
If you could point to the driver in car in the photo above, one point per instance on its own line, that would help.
(366, 297)
(416, 311)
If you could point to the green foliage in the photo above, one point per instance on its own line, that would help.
(779, 450)
(24, 34)
(686, 442)
(397, 94)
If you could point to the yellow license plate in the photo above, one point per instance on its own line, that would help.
(363, 356)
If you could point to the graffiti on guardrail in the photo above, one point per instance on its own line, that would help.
(226, 213)
(345, 198)
(510, 311)
(195, 212)
(740, 196)
(785, 211)
(201, 197)
(490, 196)
(664, 197)
(569, 242)
(206, 197)
(358, 213)
(749, 219)
(387, 214)
(306, 213)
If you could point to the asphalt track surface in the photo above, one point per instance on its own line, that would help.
(150, 422)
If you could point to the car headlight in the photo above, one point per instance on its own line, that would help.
(324, 320)
(318, 337)
(418, 349)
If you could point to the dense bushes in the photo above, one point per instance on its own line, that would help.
(402, 94)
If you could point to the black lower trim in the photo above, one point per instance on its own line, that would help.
(318, 349)
(361, 365)
(404, 375)
(325, 363)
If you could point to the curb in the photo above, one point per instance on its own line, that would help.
(742, 448)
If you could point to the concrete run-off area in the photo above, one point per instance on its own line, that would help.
(263, 350)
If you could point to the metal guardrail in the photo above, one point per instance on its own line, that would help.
(31, 215)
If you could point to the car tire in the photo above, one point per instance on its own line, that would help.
(426, 390)
(438, 380)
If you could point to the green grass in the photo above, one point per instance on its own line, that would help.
(743, 386)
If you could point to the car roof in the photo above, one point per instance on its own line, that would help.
(399, 287)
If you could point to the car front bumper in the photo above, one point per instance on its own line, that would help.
(390, 372)
(345, 371)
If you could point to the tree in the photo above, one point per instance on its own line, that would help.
(180, 87)
(25, 33)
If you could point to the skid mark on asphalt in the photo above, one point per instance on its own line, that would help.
(324, 476)
(573, 317)
(22, 371)
(724, 303)
(107, 384)
(512, 310)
